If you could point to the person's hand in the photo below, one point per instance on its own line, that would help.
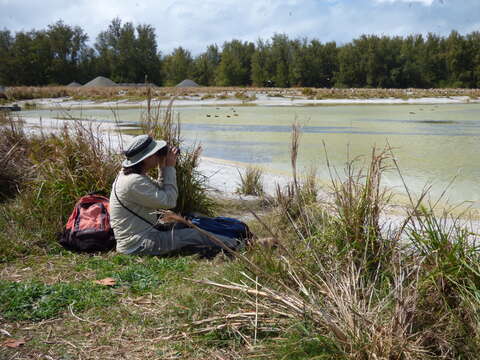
(172, 155)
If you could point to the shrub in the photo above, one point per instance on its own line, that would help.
(244, 96)
(358, 203)
(75, 162)
(308, 92)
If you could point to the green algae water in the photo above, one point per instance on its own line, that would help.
(433, 144)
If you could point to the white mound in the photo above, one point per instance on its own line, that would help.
(100, 81)
(187, 83)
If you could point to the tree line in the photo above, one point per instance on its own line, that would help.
(127, 53)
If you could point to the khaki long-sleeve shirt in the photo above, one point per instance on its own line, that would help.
(143, 195)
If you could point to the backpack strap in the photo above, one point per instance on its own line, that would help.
(126, 208)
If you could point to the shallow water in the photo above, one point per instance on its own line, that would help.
(433, 144)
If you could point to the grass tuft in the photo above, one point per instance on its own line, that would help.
(251, 182)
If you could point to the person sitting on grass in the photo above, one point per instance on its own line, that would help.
(135, 198)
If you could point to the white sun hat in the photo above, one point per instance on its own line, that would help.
(141, 147)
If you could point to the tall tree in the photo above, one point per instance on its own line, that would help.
(148, 58)
(262, 72)
(431, 62)
(6, 57)
(473, 45)
(128, 54)
(235, 63)
(458, 61)
(66, 44)
(177, 66)
(205, 66)
(351, 71)
(31, 58)
(282, 57)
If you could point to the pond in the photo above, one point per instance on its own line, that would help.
(433, 144)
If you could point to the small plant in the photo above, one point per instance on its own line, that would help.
(30, 106)
(251, 182)
(241, 95)
(308, 92)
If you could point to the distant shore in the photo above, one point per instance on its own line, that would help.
(124, 97)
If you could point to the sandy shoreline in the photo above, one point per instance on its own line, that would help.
(260, 100)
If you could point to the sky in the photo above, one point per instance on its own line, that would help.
(195, 24)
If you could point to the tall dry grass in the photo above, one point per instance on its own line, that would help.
(14, 162)
(341, 285)
(162, 123)
(51, 172)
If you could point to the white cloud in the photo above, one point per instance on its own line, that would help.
(195, 24)
(424, 2)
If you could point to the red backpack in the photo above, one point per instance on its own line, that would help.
(88, 227)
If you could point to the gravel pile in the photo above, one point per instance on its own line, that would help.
(74, 84)
(187, 83)
(100, 81)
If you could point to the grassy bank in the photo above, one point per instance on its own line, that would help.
(223, 93)
(337, 284)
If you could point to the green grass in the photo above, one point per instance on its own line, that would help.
(139, 275)
(32, 299)
(36, 301)
(300, 343)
